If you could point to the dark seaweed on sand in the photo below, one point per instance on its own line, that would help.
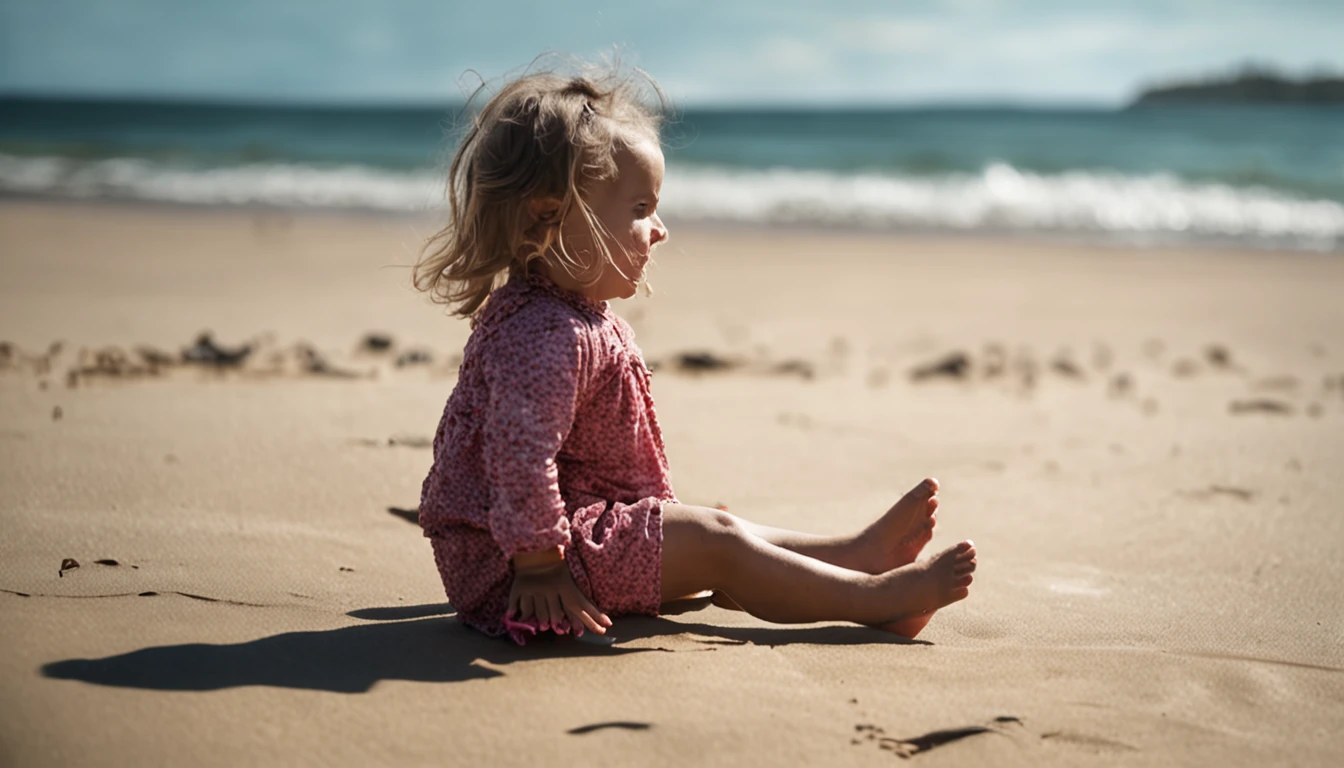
(954, 366)
(701, 361)
(206, 352)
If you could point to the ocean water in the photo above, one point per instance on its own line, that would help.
(1251, 176)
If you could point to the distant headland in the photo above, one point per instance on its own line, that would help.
(1252, 85)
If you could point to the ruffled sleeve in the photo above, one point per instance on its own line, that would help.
(532, 373)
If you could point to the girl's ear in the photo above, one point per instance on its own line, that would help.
(544, 210)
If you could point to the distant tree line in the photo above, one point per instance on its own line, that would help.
(1254, 84)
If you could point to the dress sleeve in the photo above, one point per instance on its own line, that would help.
(532, 375)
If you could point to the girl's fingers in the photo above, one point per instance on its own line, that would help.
(591, 623)
(579, 620)
(581, 613)
(601, 617)
(543, 614)
(586, 606)
(557, 613)
(524, 607)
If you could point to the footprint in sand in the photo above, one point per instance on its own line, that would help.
(1214, 491)
(1004, 725)
(1260, 405)
(1086, 741)
(910, 746)
(976, 627)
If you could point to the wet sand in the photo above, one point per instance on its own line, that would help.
(1144, 445)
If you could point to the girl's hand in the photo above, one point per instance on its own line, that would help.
(549, 593)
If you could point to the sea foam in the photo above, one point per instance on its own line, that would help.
(1001, 197)
(998, 198)
(280, 185)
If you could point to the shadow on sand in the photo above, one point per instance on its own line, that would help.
(419, 643)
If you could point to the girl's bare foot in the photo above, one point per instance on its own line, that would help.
(932, 584)
(909, 627)
(897, 538)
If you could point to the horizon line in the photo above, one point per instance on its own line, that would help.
(701, 105)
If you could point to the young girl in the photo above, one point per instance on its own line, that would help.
(549, 505)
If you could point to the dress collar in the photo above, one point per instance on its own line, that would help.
(537, 281)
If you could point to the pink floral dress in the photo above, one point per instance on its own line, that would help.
(549, 438)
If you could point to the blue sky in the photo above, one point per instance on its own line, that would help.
(702, 52)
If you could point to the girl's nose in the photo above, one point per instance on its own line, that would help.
(659, 233)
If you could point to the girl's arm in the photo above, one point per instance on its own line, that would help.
(532, 370)
(532, 374)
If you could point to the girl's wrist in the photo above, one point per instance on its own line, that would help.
(544, 560)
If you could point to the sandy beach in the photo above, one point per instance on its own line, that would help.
(1145, 446)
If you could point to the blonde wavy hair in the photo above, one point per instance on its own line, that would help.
(542, 135)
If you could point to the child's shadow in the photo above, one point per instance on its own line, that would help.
(405, 643)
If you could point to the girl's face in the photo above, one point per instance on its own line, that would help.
(627, 207)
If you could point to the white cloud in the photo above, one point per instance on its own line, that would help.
(791, 57)
(887, 35)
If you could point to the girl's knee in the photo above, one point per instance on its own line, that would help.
(723, 535)
(723, 524)
(715, 532)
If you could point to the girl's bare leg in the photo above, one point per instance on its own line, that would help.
(709, 549)
(893, 540)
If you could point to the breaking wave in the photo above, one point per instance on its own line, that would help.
(998, 198)
(1001, 197)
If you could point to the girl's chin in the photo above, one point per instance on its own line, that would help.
(630, 287)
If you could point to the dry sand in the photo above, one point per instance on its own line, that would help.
(1146, 447)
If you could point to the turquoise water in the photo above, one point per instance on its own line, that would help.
(1259, 176)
